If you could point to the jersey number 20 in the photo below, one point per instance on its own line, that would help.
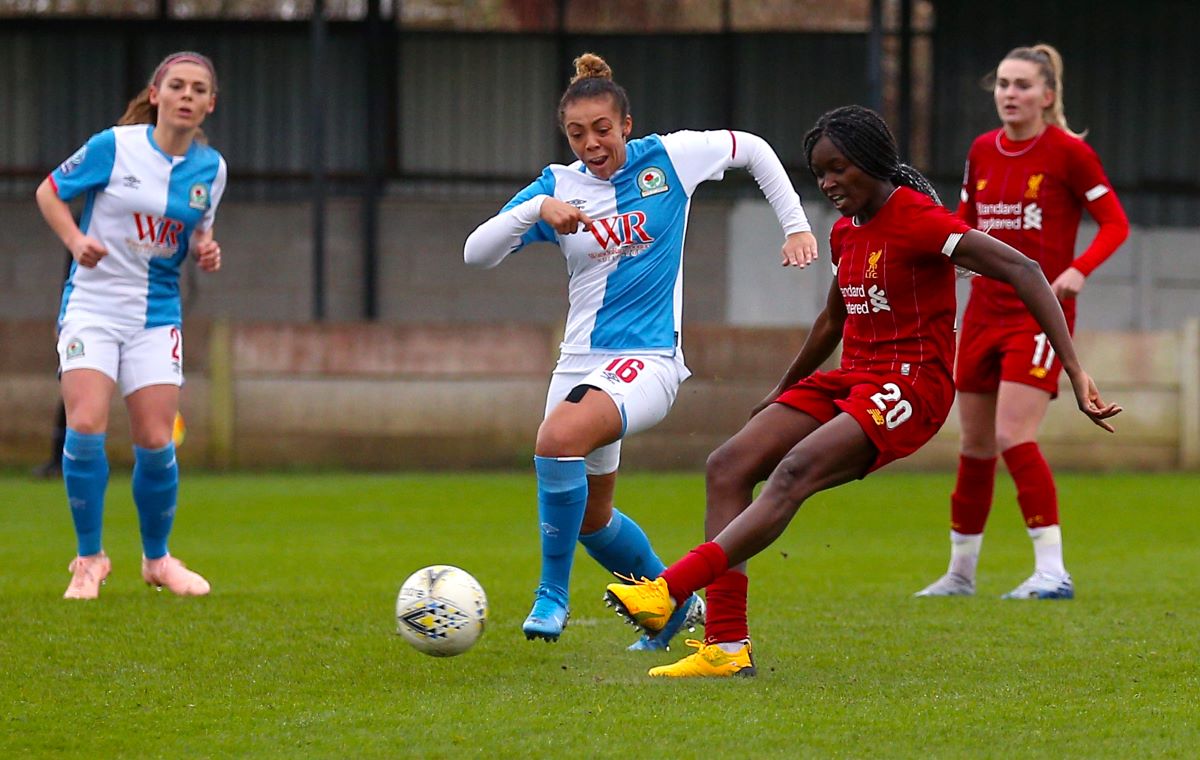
(899, 412)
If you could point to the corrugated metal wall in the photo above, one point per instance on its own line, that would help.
(1131, 72)
(484, 106)
(481, 106)
(469, 106)
(61, 82)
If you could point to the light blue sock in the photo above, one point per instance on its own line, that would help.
(155, 490)
(562, 500)
(622, 547)
(85, 471)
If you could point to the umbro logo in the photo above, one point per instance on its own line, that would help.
(131, 181)
(577, 202)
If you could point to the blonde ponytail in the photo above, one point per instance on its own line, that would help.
(1049, 62)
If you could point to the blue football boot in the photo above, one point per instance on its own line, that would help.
(548, 617)
(687, 616)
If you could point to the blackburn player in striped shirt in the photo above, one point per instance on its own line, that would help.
(1026, 184)
(151, 186)
(619, 215)
(892, 306)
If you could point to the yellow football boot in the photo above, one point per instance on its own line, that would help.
(646, 604)
(709, 661)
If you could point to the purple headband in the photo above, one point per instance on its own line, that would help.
(181, 58)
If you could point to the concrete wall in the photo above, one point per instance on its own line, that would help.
(731, 269)
(402, 397)
(267, 274)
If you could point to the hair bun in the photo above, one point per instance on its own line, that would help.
(591, 66)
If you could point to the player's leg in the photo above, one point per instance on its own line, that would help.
(612, 538)
(620, 546)
(834, 453)
(977, 369)
(151, 374)
(582, 421)
(87, 394)
(644, 389)
(971, 501)
(837, 452)
(1019, 413)
(88, 358)
(730, 476)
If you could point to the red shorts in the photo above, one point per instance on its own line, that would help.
(898, 413)
(1018, 353)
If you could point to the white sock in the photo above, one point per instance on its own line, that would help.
(964, 553)
(732, 647)
(1047, 550)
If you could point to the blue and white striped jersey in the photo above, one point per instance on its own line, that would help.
(142, 205)
(626, 273)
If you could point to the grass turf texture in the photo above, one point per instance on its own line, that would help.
(295, 655)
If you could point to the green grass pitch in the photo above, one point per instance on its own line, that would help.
(295, 655)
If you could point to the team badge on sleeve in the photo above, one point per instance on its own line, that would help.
(68, 166)
(652, 181)
(74, 349)
(198, 197)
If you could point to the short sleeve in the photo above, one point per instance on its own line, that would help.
(935, 229)
(700, 156)
(89, 168)
(543, 185)
(218, 190)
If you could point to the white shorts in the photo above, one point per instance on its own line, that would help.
(643, 387)
(134, 358)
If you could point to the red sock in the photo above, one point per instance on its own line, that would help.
(726, 617)
(1035, 484)
(972, 497)
(698, 568)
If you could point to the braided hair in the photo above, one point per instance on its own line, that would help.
(593, 79)
(864, 139)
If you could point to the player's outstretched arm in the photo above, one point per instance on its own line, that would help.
(988, 256)
(758, 157)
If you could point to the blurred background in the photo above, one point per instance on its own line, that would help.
(366, 140)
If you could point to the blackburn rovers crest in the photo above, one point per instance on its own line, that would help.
(652, 181)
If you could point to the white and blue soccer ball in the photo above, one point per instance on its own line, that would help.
(441, 610)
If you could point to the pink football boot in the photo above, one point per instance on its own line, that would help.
(87, 573)
(170, 572)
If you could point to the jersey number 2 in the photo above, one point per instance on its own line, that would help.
(899, 412)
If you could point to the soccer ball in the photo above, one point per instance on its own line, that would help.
(441, 610)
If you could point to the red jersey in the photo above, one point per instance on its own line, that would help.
(897, 282)
(1029, 195)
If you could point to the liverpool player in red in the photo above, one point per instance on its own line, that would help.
(1026, 184)
(892, 305)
